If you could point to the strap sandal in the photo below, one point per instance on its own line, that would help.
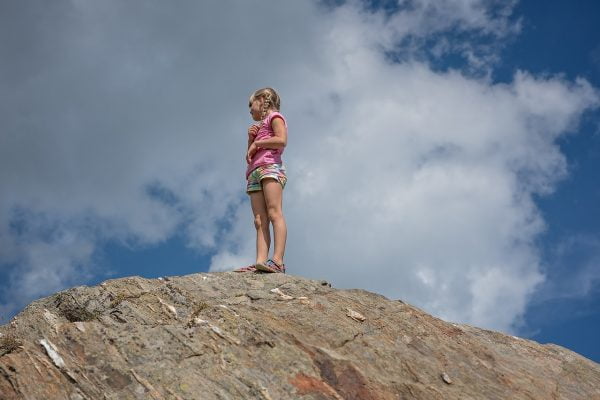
(271, 266)
(249, 268)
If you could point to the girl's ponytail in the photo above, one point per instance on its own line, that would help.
(266, 105)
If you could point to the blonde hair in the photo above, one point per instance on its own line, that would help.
(271, 100)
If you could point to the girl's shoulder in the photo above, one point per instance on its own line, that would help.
(274, 115)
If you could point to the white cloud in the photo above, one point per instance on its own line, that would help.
(60, 259)
(419, 184)
(409, 182)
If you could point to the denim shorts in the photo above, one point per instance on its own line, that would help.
(275, 171)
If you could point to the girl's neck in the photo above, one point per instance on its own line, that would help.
(269, 111)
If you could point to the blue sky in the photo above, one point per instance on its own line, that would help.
(480, 119)
(565, 38)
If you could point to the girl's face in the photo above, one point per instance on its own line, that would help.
(256, 109)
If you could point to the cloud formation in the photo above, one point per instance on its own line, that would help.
(129, 122)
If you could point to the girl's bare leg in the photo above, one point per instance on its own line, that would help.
(261, 223)
(273, 193)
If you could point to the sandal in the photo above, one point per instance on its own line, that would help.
(249, 268)
(271, 266)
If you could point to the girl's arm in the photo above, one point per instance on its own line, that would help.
(278, 141)
(252, 131)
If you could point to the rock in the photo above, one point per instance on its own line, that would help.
(52, 353)
(282, 295)
(267, 336)
(355, 315)
(446, 378)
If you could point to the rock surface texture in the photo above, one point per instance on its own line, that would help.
(267, 336)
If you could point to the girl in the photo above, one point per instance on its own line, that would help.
(266, 178)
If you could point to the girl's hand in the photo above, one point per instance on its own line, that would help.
(251, 152)
(253, 131)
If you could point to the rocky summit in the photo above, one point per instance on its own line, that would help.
(267, 336)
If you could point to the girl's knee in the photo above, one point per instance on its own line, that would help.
(274, 214)
(258, 221)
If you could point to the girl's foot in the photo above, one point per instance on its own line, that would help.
(271, 266)
(249, 268)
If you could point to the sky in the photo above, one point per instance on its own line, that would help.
(440, 152)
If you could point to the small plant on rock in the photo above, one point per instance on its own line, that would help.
(9, 343)
(73, 311)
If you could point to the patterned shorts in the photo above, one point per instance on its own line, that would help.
(275, 171)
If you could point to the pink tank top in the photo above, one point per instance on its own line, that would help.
(266, 156)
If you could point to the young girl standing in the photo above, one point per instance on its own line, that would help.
(266, 178)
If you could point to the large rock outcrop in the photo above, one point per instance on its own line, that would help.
(267, 336)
